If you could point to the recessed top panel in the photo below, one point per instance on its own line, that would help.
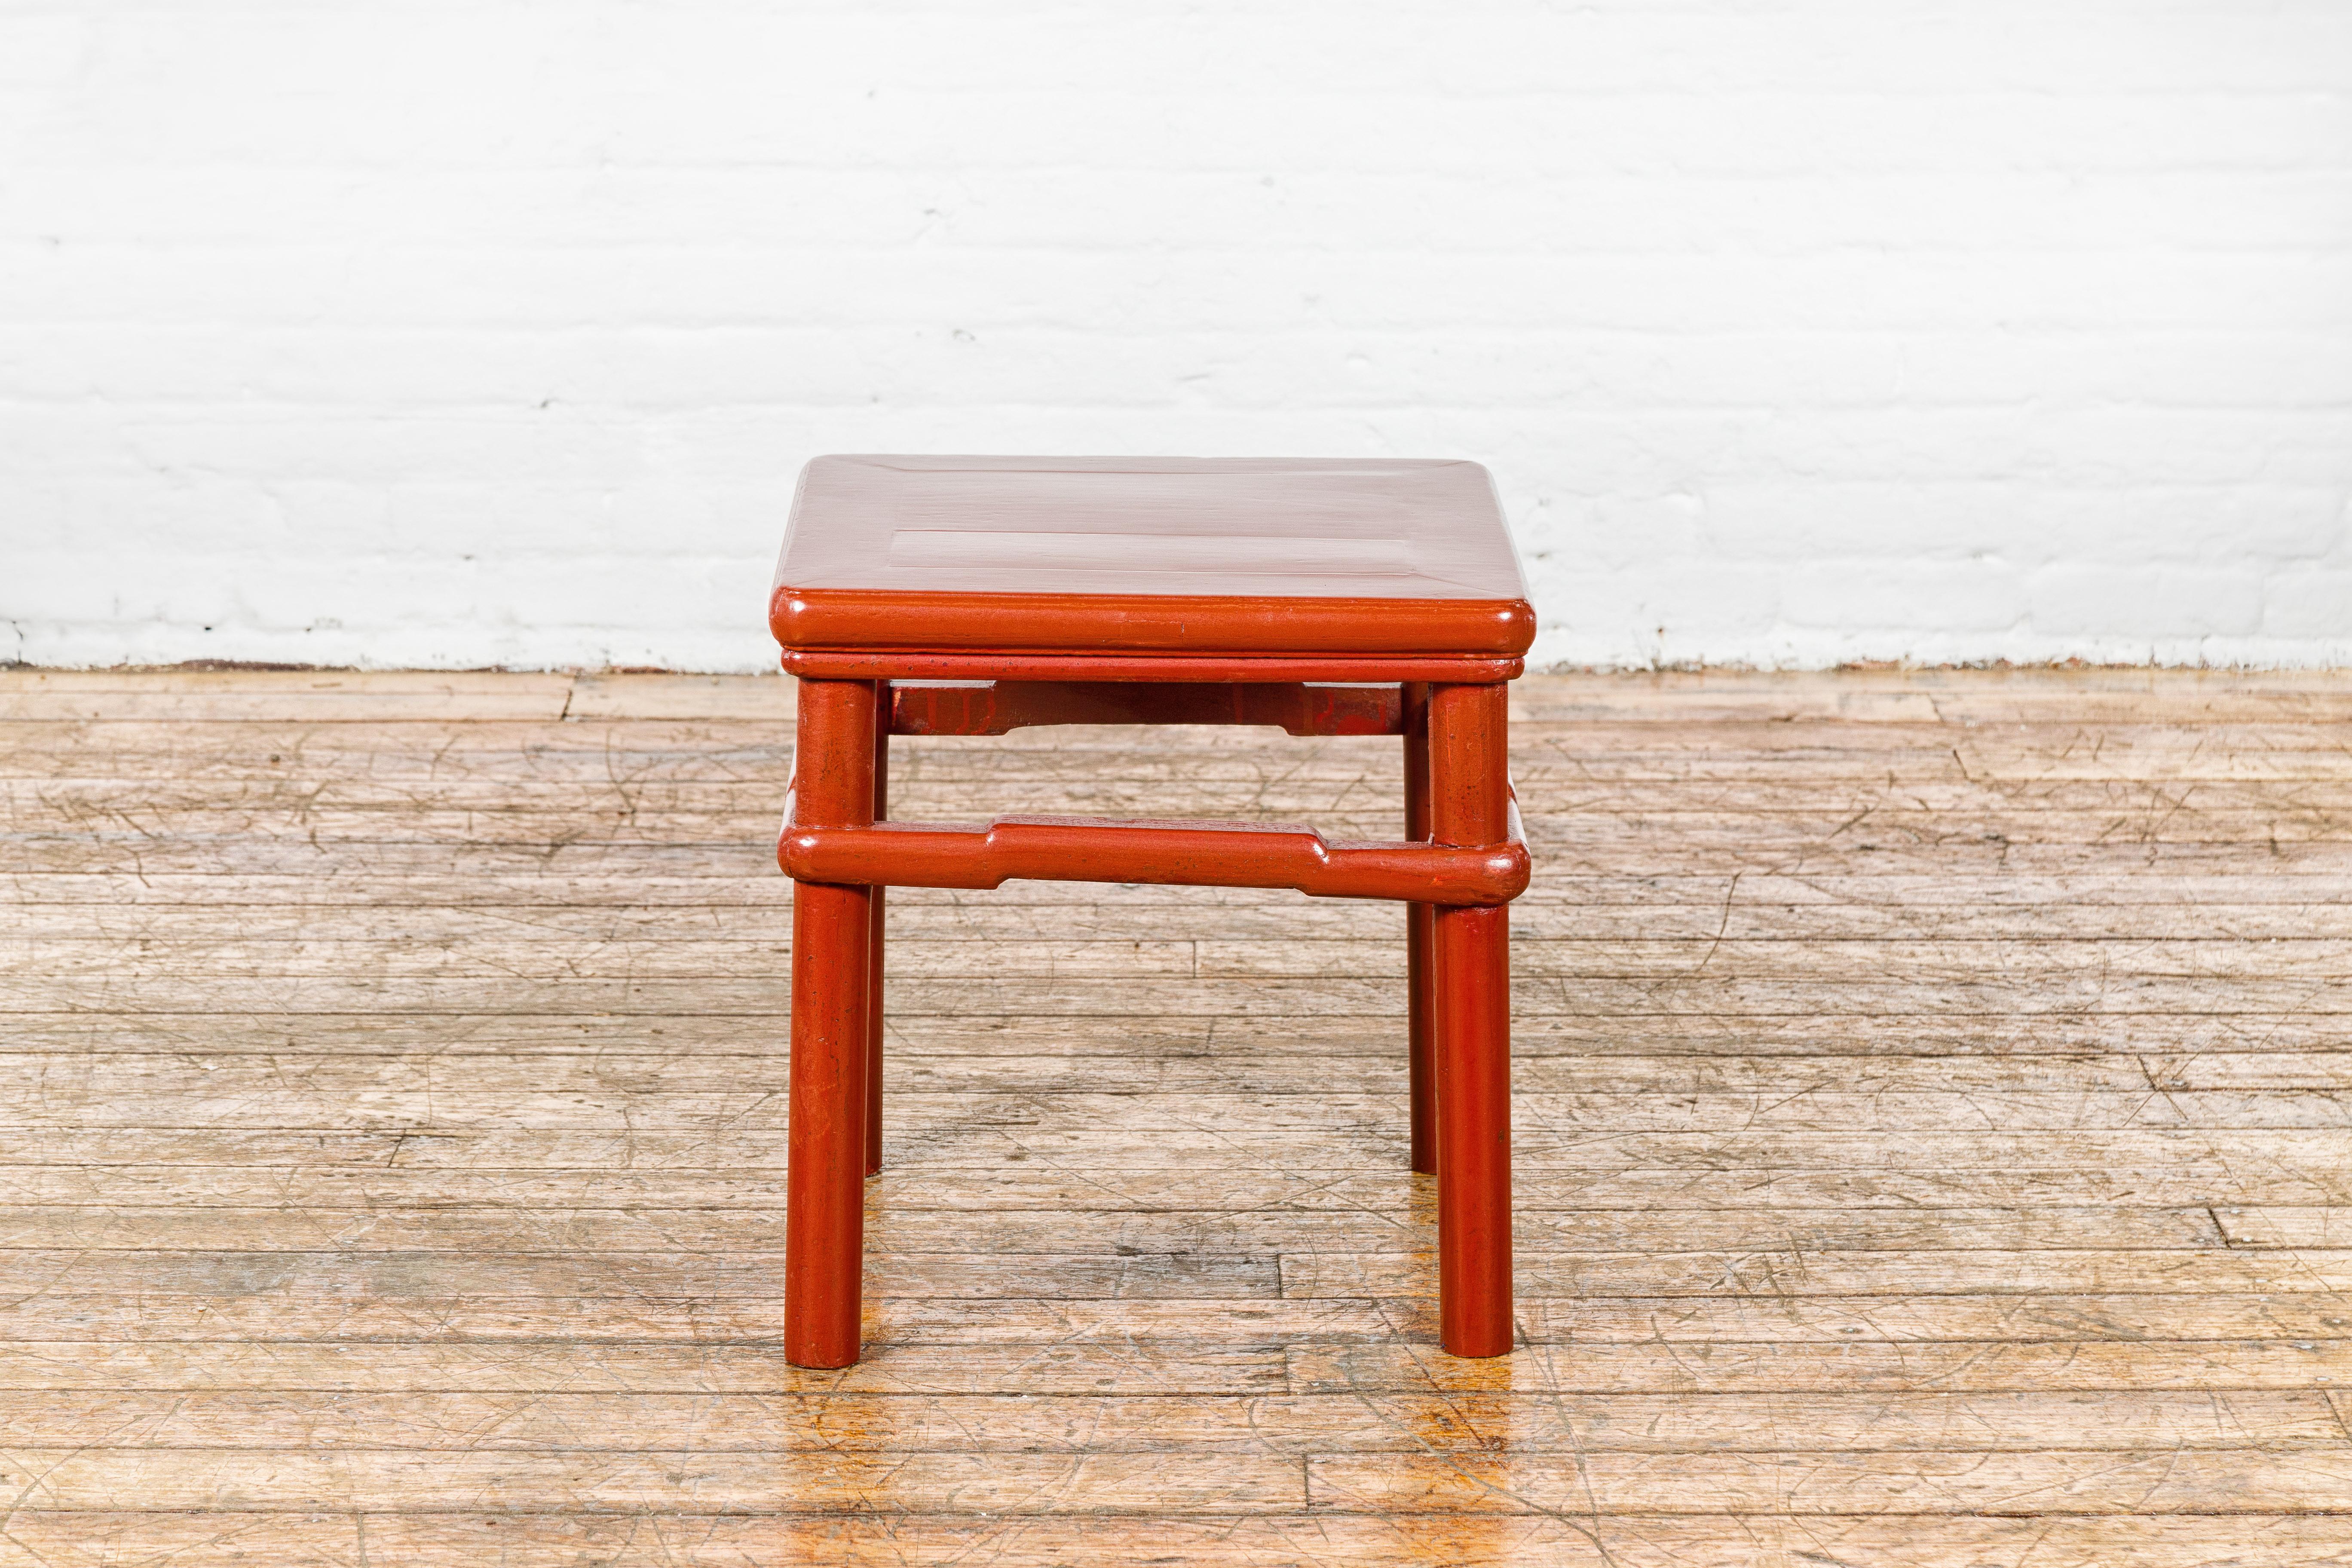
(1274, 527)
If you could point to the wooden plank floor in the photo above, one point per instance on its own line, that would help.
(1934, 1124)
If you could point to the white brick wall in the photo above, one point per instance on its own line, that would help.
(1796, 330)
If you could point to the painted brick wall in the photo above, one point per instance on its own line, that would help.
(1796, 330)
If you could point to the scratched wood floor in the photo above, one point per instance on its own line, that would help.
(1933, 1126)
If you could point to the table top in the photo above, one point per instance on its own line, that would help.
(1286, 527)
(1056, 553)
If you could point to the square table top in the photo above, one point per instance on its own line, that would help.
(1216, 554)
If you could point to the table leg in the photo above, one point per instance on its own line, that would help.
(1467, 732)
(824, 1205)
(1420, 933)
(874, 940)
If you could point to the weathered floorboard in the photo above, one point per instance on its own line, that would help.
(1934, 1135)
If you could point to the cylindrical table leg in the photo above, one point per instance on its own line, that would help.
(1420, 931)
(1473, 1183)
(874, 940)
(824, 1203)
(1467, 731)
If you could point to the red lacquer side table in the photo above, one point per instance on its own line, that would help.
(975, 596)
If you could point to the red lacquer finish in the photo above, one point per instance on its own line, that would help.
(1037, 623)
(1338, 598)
(1186, 854)
(895, 664)
(1469, 800)
(1420, 933)
(825, 1218)
(873, 940)
(1149, 554)
(1003, 706)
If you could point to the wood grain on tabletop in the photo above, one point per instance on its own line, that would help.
(1932, 1139)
